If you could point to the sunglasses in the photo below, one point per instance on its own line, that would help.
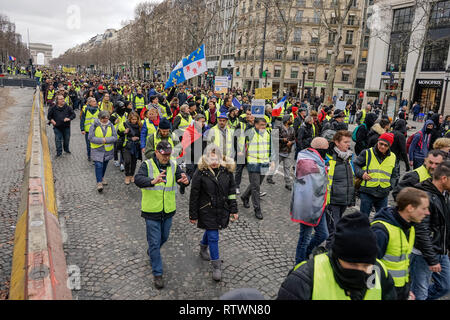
(383, 144)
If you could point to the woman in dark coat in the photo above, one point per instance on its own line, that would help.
(212, 202)
(130, 132)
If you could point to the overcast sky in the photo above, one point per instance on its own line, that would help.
(66, 23)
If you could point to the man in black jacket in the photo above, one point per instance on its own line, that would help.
(306, 133)
(362, 133)
(353, 268)
(394, 229)
(158, 222)
(430, 259)
(410, 179)
(60, 117)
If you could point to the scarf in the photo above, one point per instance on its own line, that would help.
(343, 155)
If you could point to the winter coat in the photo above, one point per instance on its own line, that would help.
(299, 284)
(100, 154)
(360, 162)
(362, 133)
(59, 114)
(374, 134)
(285, 133)
(305, 136)
(142, 180)
(410, 179)
(421, 143)
(438, 130)
(210, 202)
(133, 147)
(433, 233)
(391, 216)
(342, 189)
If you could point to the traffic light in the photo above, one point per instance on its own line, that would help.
(264, 74)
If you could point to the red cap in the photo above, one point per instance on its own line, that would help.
(100, 87)
(388, 137)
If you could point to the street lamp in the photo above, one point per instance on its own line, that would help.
(303, 79)
(447, 79)
(230, 71)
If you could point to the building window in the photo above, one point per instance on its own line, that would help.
(364, 55)
(435, 56)
(366, 42)
(345, 76)
(351, 20)
(301, 3)
(278, 54)
(347, 58)
(440, 15)
(294, 73)
(299, 16)
(326, 75)
(315, 36)
(277, 72)
(318, 3)
(311, 74)
(296, 56)
(331, 38)
(297, 34)
(280, 36)
(316, 18)
(403, 19)
(349, 37)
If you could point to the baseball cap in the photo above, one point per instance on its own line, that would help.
(164, 148)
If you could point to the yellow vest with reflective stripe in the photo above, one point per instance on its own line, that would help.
(164, 112)
(183, 123)
(218, 140)
(208, 114)
(162, 196)
(259, 148)
(140, 103)
(89, 119)
(50, 94)
(380, 172)
(396, 257)
(363, 118)
(325, 286)
(347, 115)
(157, 140)
(423, 173)
(106, 106)
(67, 100)
(151, 129)
(332, 166)
(99, 134)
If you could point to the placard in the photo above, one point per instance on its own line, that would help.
(258, 108)
(263, 93)
(221, 84)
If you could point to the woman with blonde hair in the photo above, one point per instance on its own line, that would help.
(213, 202)
(442, 144)
(130, 132)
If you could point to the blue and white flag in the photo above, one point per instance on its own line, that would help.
(189, 67)
(236, 103)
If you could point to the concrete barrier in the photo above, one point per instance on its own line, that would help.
(39, 270)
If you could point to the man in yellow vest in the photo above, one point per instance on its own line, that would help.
(182, 121)
(375, 166)
(163, 134)
(222, 136)
(350, 271)
(88, 116)
(259, 161)
(157, 178)
(424, 172)
(394, 229)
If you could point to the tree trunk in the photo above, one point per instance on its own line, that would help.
(328, 99)
(398, 91)
(283, 72)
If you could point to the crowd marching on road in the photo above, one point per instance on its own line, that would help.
(202, 141)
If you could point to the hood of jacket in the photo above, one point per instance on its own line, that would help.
(370, 120)
(226, 162)
(435, 118)
(378, 129)
(387, 215)
(428, 122)
(400, 125)
(97, 123)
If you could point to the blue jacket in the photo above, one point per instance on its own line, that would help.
(416, 109)
(144, 131)
(420, 143)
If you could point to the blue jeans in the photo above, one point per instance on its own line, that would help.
(88, 144)
(421, 276)
(62, 135)
(307, 243)
(351, 119)
(211, 238)
(100, 169)
(157, 234)
(367, 201)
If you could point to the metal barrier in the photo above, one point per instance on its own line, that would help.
(18, 82)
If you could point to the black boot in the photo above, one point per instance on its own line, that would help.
(245, 202)
(258, 215)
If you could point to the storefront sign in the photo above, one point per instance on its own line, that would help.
(429, 83)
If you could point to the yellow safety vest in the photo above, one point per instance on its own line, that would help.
(164, 112)
(218, 140)
(106, 106)
(396, 257)
(423, 173)
(208, 114)
(140, 104)
(89, 119)
(183, 123)
(99, 134)
(258, 150)
(162, 196)
(50, 94)
(122, 120)
(67, 100)
(233, 124)
(332, 166)
(157, 140)
(380, 172)
(347, 115)
(325, 286)
(363, 118)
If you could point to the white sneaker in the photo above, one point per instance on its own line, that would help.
(122, 167)
(262, 194)
(238, 191)
(116, 163)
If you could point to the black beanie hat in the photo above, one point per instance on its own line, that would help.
(164, 124)
(354, 241)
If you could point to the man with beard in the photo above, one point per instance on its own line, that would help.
(350, 271)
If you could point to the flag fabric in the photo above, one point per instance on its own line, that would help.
(189, 67)
(279, 107)
(236, 103)
(11, 58)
